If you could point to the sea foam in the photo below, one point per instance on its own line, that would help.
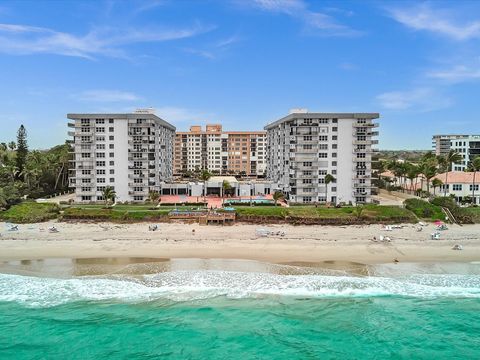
(194, 285)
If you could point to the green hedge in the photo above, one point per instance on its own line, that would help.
(30, 212)
(424, 209)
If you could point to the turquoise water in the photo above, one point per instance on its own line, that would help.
(246, 315)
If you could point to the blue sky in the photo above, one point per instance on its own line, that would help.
(242, 63)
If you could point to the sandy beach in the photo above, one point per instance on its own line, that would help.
(300, 243)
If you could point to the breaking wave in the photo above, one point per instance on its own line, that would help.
(204, 284)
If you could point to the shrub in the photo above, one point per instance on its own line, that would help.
(30, 212)
(424, 209)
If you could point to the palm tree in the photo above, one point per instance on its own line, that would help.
(429, 170)
(412, 174)
(328, 179)
(451, 158)
(436, 182)
(12, 145)
(205, 175)
(358, 210)
(475, 166)
(225, 187)
(277, 195)
(108, 194)
(154, 196)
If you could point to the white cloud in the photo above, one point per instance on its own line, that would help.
(458, 73)
(213, 51)
(23, 40)
(439, 21)
(313, 20)
(107, 96)
(420, 99)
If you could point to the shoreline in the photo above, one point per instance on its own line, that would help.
(300, 243)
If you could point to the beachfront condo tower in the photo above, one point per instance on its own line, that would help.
(133, 153)
(466, 145)
(304, 147)
(221, 152)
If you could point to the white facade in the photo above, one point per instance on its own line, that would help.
(303, 147)
(466, 145)
(132, 153)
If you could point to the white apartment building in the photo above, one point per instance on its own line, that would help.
(133, 153)
(466, 145)
(222, 152)
(303, 147)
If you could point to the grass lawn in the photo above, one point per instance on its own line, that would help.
(29, 212)
(120, 212)
(373, 212)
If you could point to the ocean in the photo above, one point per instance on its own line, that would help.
(216, 310)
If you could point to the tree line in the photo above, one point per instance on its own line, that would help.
(31, 174)
(425, 172)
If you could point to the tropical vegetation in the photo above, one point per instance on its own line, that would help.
(31, 174)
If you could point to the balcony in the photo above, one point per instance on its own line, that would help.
(71, 133)
(133, 167)
(142, 184)
(138, 193)
(134, 176)
(366, 176)
(369, 125)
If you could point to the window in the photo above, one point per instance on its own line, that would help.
(110, 129)
(111, 146)
(322, 172)
(99, 121)
(100, 155)
(100, 171)
(111, 137)
(100, 146)
(457, 187)
(334, 154)
(334, 163)
(307, 199)
(307, 163)
(334, 129)
(100, 129)
(471, 187)
(110, 121)
(323, 138)
(100, 163)
(323, 155)
(85, 155)
(112, 180)
(112, 171)
(307, 138)
(112, 163)
(307, 181)
(101, 180)
(86, 172)
(334, 137)
(112, 154)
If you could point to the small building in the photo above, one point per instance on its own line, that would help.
(460, 184)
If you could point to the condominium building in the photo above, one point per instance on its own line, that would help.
(222, 152)
(133, 153)
(466, 145)
(303, 147)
